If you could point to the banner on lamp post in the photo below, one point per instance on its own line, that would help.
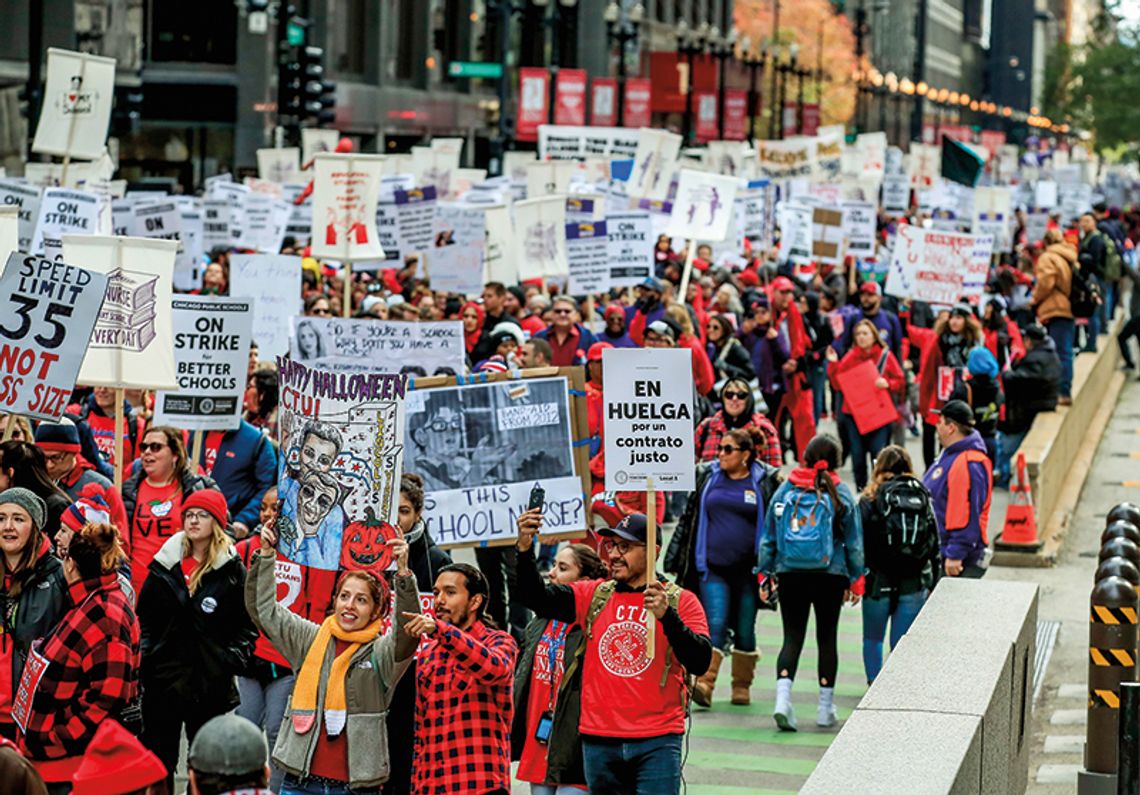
(704, 103)
(570, 97)
(735, 112)
(603, 102)
(811, 119)
(636, 111)
(534, 101)
(790, 118)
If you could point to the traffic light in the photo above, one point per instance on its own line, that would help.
(312, 73)
(327, 113)
(126, 114)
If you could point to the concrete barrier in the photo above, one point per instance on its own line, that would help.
(1060, 445)
(960, 685)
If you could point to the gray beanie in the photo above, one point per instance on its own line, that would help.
(27, 500)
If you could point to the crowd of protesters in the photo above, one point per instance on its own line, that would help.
(145, 613)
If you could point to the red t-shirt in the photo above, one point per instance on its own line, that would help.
(621, 693)
(330, 757)
(188, 566)
(157, 517)
(211, 444)
(103, 430)
(545, 679)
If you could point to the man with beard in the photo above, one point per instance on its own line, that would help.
(464, 677)
(890, 330)
(615, 332)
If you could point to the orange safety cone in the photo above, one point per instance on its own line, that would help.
(1020, 531)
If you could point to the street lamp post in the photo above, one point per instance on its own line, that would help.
(506, 10)
(755, 65)
(689, 44)
(785, 69)
(623, 32)
(722, 49)
(554, 22)
(800, 72)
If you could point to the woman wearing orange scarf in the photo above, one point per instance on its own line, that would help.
(333, 739)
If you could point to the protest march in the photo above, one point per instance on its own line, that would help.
(455, 482)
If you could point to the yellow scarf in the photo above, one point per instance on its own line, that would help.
(309, 677)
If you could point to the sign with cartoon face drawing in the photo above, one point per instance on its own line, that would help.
(77, 105)
(342, 445)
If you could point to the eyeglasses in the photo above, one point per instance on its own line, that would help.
(621, 546)
(321, 312)
(728, 448)
(730, 395)
(439, 426)
(563, 311)
(55, 458)
(195, 516)
(151, 447)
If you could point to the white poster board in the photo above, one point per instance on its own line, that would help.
(540, 238)
(273, 281)
(455, 257)
(653, 163)
(65, 212)
(703, 206)
(346, 188)
(378, 346)
(77, 101)
(859, 228)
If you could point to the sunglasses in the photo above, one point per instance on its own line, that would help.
(321, 312)
(730, 395)
(563, 311)
(728, 448)
(151, 447)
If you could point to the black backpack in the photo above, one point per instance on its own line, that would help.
(1084, 294)
(903, 504)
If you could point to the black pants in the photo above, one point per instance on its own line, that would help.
(163, 719)
(498, 565)
(929, 443)
(801, 592)
(1131, 329)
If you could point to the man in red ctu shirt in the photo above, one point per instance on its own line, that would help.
(633, 708)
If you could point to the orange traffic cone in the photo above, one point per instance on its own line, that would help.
(1020, 531)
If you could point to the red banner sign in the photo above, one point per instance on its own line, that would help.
(735, 112)
(534, 102)
(811, 119)
(704, 107)
(638, 92)
(570, 97)
(603, 102)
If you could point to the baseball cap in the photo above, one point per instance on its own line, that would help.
(228, 745)
(595, 352)
(782, 284)
(664, 327)
(870, 288)
(958, 411)
(653, 284)
(1035, 332)
(633, 527)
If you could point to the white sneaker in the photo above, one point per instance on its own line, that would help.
(784, 714)
(826, 715)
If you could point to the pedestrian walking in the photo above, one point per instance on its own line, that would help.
(738, 411)
(713, 553)
(1054, 273)
(813, 545)
(228, 757)
(900, 539)
(196, 634)
(633, 705)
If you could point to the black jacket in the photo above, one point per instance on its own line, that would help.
(1092, 254)
(984, 396)
(42, 601)
(564, 751)
(1031, 387)
(882, 576)
(733, 361)
(193, 646)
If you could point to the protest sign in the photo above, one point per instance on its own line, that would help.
(587, 257)
(570, 143)
(27, 200)
(630, 248)
(211, 356)
(434, 168)
(795, 221)
(500, 263)
(725, 157)
(415, 210)
(273, 281)
(540, 238)
(132, 342)
(896, 194)
(703, 206)
(544, 179)
(924, 164)
(342, 445)
(76, 106)
(872, 148)
(648, 419)
(653, 163)
(65, 212)
(1045, 194)
(938, 267)
(9, 230)
(314, 141)
(346, 188)
(859, 228)
(380, 346)
(786, 159)
(455, 257)
(871, 406)
(481, 448)
(188, 263)
(267, 218)
(51, 311)
(1036, 223)
(827, 235)
(992, 215)
(828, 156)
(279, 165)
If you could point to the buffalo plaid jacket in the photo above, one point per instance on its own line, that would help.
(92, 671)
(463, 711)
(712, 429)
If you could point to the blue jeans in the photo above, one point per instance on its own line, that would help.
(555, 789)
(1007, 449)
(294, 787)
(633, 767)
(862, 445)
(1098, 323)
(264, 705)
(817, 380)
(875, 615)
(730, 602)
(1061, 331)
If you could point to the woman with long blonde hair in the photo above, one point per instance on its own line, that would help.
(196, 633)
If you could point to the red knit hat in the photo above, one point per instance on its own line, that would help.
(211, 501)
(115, 762)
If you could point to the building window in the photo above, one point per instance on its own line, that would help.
(200, 32)
(349, 40)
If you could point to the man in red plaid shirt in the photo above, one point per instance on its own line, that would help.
(464, 679)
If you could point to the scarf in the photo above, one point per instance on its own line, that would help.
(471, 338)
(309, 677)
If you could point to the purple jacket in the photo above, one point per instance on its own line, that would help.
(960, 482)
(768, 357)
(890, 330)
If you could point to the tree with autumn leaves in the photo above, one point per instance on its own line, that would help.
(805, 22)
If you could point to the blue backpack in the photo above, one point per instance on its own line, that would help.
(804, 519)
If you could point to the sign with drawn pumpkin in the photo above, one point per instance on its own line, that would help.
(338, 486)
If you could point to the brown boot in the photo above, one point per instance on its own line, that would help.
(703, 689)
(743, 670)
